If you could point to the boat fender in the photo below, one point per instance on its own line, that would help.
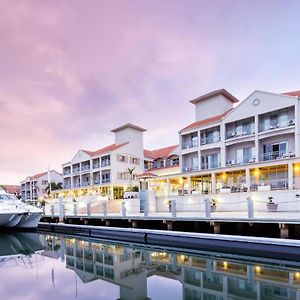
(145, 238)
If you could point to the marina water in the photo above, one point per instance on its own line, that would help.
(42, 266)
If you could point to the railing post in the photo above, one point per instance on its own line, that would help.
(75, 209)
(88, 209)
(52, 210)
(61, 209)
(207, 208)
(173, 209)
(104, 204)
(250, 208)
(146, 208)
(123, 209)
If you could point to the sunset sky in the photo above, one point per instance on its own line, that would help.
(72, 70)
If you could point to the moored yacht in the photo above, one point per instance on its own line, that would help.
(15, 213)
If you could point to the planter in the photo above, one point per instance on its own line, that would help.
(213, 208)
(272, 206)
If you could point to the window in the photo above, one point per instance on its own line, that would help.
(44, 182)
(134, 160)
(122, 158)
(274, 151)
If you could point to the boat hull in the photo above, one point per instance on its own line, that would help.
(15, 220)
(5, 218)
(30, 220)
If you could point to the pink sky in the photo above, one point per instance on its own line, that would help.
(72, 70)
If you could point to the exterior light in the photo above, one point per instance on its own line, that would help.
(225, 265)
(297, 275)
(256, 172)
(257, 269)
(180, 181)
(224, 175)
(296, 168)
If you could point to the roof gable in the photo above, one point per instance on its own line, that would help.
(223, 92)
(160, 153)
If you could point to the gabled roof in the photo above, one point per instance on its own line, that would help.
(104, 150)
(207, 121)
(128, 125)
(11, 189)
(294, 93)
(223, 92)
(37, 176)
(160, 153)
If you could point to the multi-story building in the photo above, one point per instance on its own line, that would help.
(34, 187)
(235, 146)
(162, 161)
(106, 170)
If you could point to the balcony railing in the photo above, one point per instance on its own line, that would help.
(85, 168)
(76, 170)
(105, 180)
(85, 183)
(210, 140)
(276, 155)
(67, 186)
(263, 127)
(105, 163)
(214, 165)
(230, 134)
(268, 185)
(96, 181)
(190, 144)
(77, 184)
(190, 168)
(96, 166)
(67, 172)
(245, 160)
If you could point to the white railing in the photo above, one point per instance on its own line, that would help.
(276, 155)
(210, 140)
(263, 127)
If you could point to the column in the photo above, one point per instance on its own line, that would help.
(111, 192)
(256, 147)
(168, 187)
(248, 179)
(199, 159)
(223, 147)
(189, 184)
(290, 176)
(297, 133)
(213, 183)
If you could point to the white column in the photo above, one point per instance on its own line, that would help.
(189, 184)
(297, 132)
(168, 187)
(290, 175)
(199, 159)
(213, 183)
(256, 147)
(248, 179)
(223, 147)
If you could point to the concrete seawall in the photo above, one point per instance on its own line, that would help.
(239, 245)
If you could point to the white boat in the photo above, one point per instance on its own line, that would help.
(15, 213)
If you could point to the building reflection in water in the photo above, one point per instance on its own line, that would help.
(201, 277)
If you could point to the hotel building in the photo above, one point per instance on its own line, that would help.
(235, 146)
(34, 187)
(105, 171)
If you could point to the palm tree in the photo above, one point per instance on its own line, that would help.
(130, 172)
(54, 186)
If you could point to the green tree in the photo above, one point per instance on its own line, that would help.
(130, 172)
(54, 186)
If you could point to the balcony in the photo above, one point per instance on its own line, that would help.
(85, 183)
(105, 180)
(85, 168)
(190, 144)
(76, 170)
(97, 181)
(276, 155)
(190, 168)
(67, 172)
(241, 161)
(275, 124)
(67, 186)
(235, 133)
(210, 140)
(77, 184)
(105, 163)
(96, 165)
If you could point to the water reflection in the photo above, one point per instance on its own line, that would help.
(98, 270)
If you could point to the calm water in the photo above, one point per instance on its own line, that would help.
(37, 266)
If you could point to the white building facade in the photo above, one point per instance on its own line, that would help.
(34, 187)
